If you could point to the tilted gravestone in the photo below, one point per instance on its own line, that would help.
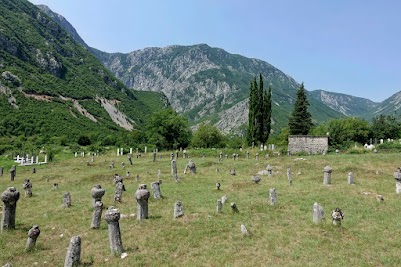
(119, 191)
(97, 215)
(327, 175)
(33, 234)
(318, 213)
(350, 178)
(142, 196)
(244, 231)
(73, 256)
(219, 206)
(66, 200)
(13, 172)
(289, 176)
(9, 197)
(130, 159)
(97, 193)
(178, 209)
(174, 170)
(397, 176)
(112, 217)
(272, 196)
(27, 186)
(337, 216)
(156, 189)
(191, 166)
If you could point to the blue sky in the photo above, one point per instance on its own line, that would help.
(351, 47)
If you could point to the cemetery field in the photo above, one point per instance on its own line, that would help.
(279, 235)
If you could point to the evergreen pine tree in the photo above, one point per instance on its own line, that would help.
(300, 121)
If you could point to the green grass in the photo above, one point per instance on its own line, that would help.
(280, 235)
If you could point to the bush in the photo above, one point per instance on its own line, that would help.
(84, 140)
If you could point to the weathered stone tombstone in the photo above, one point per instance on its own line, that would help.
(97, 215)
(156, 189)
(119, 191)
(234, 156)
(232, 172)
(123, 165)
(93, 158)
(219, 206)
(1, 170)
(184, 154)
(269, 170)
(127, 174)
(257, 156)
(33, 170)
(289, 176)
(327, 175)
(350, 178)
(142, 196)
(112, 217)
(247, 155)
(66, 200)
(218, 185)
(318, 213)
(137, 178)
(223, 199)
(130, 158)
(174, 170)
(178, 209)
(97, 193)
(221, 156)
(33, 234)
(73, 256)
(112, 165)
(154, 156)
(55, 186)
(244, 231)
(9, 197)
(255, 179)
(337, 215)
(234, 207)
(226, 156)
(117, 178)
(191, 166)
(27, 186)
(397, 176)
(272, 196)
(13, 172)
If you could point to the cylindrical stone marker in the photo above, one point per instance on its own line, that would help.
(156, 190)
(219, 206)
(33, 234)
(257, 156)
(112, 217)
(97, 215)
(119, 191)
(247, 155)
(73, 256)
(67, 200)
(397, 176)
(142, 196)
(289, 176)
(337, 215)
(318, 213)
(97, 193)
(350, 178)
(27, 186)
(272, 196)
(327, 175)
(13, 172)
(9, 197)
(174, 170)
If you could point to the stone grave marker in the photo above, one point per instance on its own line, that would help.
(1, 170)
(397, 176)
(318, 213)
(223, 199)
(244, 231)
(350, 178)
(178, 209)
(337, 216)
(289, 176)
(66, 200)
(27, 186)
(327, 175)
(13, 172)
(234, 207)
(255, 179)
(218, 185)
(269, 170)
(97, 215)
(97, 193)
(174, 170)
(73, 256)
(191, 166)
(142, 197)
(119, 191)
(112, 217)
(33, 234)
(9, 197)
(156, 189)
(273, 196)
(219, 206)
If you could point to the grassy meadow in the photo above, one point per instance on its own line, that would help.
(280, 235)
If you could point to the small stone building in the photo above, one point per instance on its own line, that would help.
(307, 144)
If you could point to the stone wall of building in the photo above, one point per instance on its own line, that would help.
(308, 144)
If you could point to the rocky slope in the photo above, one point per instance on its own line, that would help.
(51, 85)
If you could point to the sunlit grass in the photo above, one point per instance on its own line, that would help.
(280, 235)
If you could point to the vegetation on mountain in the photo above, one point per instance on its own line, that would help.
(208, 136)
(300, 121)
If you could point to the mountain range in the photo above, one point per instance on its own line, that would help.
(203, 83)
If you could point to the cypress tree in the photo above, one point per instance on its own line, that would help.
(251, 113)
(267, 113)
(259, 110)
(300, 120)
